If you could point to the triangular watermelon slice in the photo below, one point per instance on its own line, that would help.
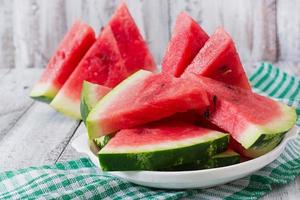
(70, 51)
(251, 119)
(219, 60)
(102, 65)
(187, 39)
(144, 97)
(160, 146)
(133, 48)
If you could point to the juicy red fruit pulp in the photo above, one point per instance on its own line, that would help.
(219, 60)
(70, 51)
(152, 134)
(102, 65)
(187, 39)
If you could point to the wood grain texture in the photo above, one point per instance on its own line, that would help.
(30, 133)
(69, 152)
(156, 20)
(14, 92)
(37, 138)
(262, 29)
(6, 38)
(39, 25)
(51, 29)
(96, 13)
(26, 35)
(252, 23)
(288, 29)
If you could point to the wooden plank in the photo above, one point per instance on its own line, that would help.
(251, 23)
(288, 28)
(69, 153)
(25, 32)
(14, 91)
(156, 21)
(37, 138)
(6, 37)
(38, 28)
(96, 13)
(51, 29)
(30, 133)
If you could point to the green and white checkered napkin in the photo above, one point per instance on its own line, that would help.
(80, 179)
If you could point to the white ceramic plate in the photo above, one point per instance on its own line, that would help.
(191, 179)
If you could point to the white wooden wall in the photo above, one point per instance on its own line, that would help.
(262, 29)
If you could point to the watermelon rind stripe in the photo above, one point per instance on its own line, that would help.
(65, 105)
(222, 160)
(84, 109)
(85, 102)
(43, 93)
(90, 95)
(225, 158)
(158, 159)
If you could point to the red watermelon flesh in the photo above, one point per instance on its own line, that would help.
(187, 39)
(219, 60)
(144, 97)
(160, 146)
(70, 51)
(151, 134)
(133, 48)
(101, 65)
(190, 116)
(247, 116)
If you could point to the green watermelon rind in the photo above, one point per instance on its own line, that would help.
(43, 93)
(260, 136)
(223, 159)
(60, 102)
(263, 145)
(94, 128)
(84, 109)
(161, 158)
(88, 96)
(102, 141)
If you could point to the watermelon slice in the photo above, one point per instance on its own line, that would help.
(226, 158)
(133, 48)
(144, 97)
(102, 65)
(219, 60)
(91, 93)
(70, 51)
(251, 119)
(159, 146)
(260, 150)
(187, 39)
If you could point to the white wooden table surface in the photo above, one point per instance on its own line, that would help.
(32, 133)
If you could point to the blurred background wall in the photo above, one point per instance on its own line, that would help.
(262, 29)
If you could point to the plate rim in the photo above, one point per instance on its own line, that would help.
(290, 135)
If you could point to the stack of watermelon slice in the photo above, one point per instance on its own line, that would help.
(198, 113)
